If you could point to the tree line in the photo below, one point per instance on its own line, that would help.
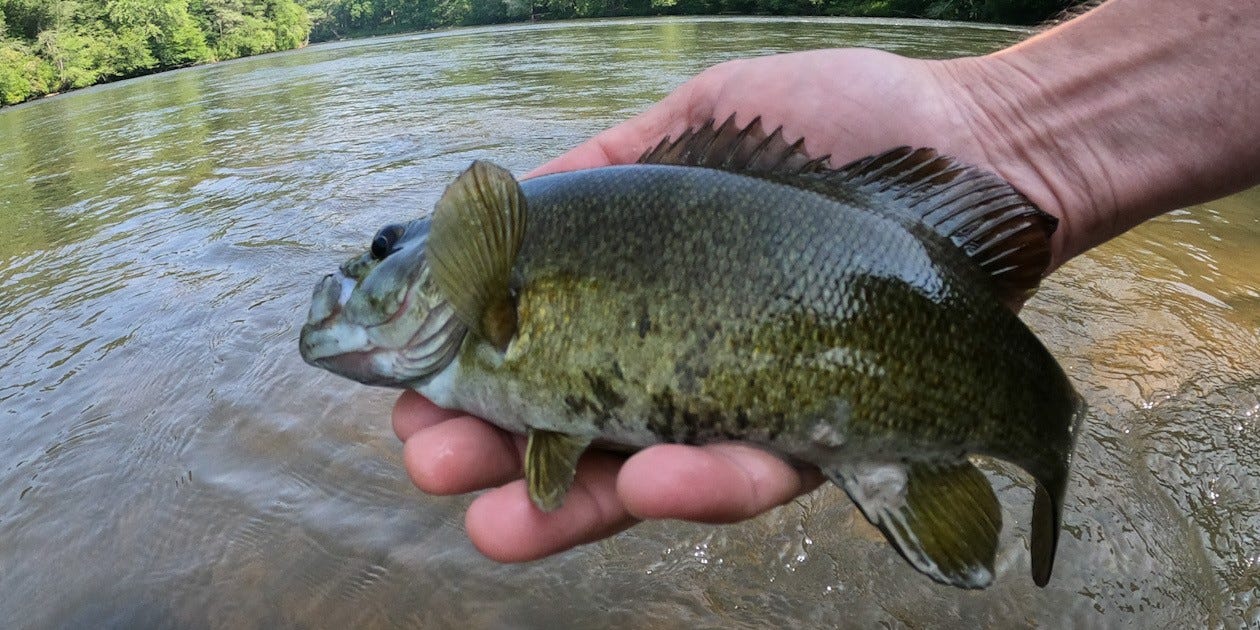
(49, 46)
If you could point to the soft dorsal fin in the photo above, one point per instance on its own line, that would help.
(999, 228)
(730, 148)
(477, 229)
(995, 225)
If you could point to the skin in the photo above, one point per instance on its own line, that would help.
(1140, 107)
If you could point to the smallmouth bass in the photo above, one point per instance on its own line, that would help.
(729, 287)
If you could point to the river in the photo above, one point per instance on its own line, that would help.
(167, 460)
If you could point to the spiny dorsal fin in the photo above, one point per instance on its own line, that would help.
(999, 228)
(942, 517)
(1003, 232)
(477, 229)
(730, 148)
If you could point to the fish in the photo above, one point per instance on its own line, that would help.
(730, 287)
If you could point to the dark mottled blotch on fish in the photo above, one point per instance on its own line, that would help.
(730, 287)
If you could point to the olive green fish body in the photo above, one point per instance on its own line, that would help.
(677, 304)
(731, 288)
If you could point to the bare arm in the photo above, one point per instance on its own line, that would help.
(1138, 108)
(1135, 109)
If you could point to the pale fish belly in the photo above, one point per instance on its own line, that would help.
(467, 385)
(517, 407)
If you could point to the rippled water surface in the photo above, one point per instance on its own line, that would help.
(167, 460)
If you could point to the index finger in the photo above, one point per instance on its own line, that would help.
(413, 412)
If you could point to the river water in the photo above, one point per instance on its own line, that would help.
(167, 460)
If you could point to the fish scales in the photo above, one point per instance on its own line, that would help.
(760, 302)
(732, 288)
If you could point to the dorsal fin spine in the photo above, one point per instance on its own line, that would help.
(950, 179)
(995, 226)
(995, 239)
(708, 144)
(761, 147)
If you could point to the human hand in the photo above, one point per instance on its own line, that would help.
(846, 103)
(851, 103)
(449, 452)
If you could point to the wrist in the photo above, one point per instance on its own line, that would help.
(1105, 132)
(1017, 127)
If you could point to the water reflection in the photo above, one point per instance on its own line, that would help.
(169, 461)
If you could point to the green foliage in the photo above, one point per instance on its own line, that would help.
(290, 23)
(250, 37)
(22, 74)
(74, 57)
(1019, 11)
(52, 45)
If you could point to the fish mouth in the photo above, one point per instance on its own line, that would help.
(380, 353)
(329, 298)
(329, 341)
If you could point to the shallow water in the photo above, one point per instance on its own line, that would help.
(167, 460)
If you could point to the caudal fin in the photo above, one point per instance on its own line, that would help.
(1047, 512)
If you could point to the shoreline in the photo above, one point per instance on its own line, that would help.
(36, 97)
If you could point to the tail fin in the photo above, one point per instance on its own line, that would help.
(1047, 512)
(1046, 517)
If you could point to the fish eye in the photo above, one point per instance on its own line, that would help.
(384, 241)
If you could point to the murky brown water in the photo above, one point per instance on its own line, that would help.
(167, 460)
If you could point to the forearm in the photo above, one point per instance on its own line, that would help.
(1138, 108)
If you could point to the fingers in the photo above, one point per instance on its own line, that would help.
(461, 455)
(447, 452)
(413, 412)
(717, 483)
(506, 527)
(450, 452)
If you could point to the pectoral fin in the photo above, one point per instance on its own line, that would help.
(943, 517)
(550, 461)
(478, 226)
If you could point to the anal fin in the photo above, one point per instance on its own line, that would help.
(550, 462)
(942, 517)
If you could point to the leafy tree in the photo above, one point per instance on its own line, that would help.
(75, 58)
(290, 23)
(22, 74)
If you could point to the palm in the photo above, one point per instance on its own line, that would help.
(848, 103)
